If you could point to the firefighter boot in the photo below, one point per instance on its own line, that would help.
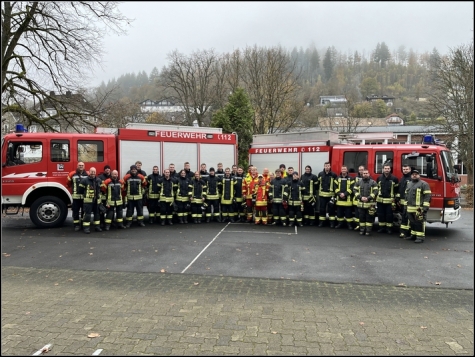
(350, 226)
(151, 219)
(320, 225)
(419, 240)
(77, 227)
(128, 224)
(338, 226)
(180, 220)
(389, 230)
(185, 219)
(332, 224)
(170, 222)
(107, 227)
(218, 219)
(87, 230)
(141, 224)
(162, 221)
(98, 228)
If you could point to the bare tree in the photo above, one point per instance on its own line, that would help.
(451, 98)
(270, 78)
(194, 81)
(47, 47)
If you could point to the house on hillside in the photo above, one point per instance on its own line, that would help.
(394, 119)
(161, 106)
(386, 99)
(68, 102)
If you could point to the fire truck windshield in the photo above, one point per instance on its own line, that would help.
(449, 166)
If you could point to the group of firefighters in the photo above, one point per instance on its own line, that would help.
(282, 197)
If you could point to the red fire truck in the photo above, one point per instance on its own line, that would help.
(434, 162)
(35, 165)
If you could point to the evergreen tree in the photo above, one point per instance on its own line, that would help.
(237, 116)
(328, 64)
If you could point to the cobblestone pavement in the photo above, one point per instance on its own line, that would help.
(180, 314)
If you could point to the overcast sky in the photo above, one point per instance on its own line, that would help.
(161, 27)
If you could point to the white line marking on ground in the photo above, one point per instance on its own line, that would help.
(295, 229)
(45, 349)
(217, 235)
(97, 352)
(267, 232)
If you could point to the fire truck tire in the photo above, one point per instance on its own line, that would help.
(48, 212)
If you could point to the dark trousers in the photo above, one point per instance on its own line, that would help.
(344, 212)
(278, 212)
(295, 213)
(91, 209)
(196, 212)
(418, 228)
(215, 205)
(227, 210)
(366, 220)
(166, 210)
(326, 208)
(110, 215)
(131, 205)
(308, 211)
(153, 206)
(182, 212)
(76, 207)
(404, 229)
(238, 210)
(385, 215)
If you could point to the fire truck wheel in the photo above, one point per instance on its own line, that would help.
(48, 212)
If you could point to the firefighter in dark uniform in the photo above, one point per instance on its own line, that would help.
(220, 171)
(74, 178)
(344, 199)
(239, 201)
(326, 191)
(212, 196)
(90, 188)
(134, 187)
(309, 180)
(277, 195)
(295, 192)
(189, 174)
(418, 196)
(113, 189)
(356, 216)
(401, 201)
(153, 195)
(203, 172)
(388, 188)
(182, 199)
(167, 186)
(366, 191)
(227, 190)
(197, 195)
(106, 174)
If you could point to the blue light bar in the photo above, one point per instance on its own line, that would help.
(428, 139)
(19, 128)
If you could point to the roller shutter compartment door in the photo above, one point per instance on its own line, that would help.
(178, 154)
(148, 152)
(211, 154)
(317, 161)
